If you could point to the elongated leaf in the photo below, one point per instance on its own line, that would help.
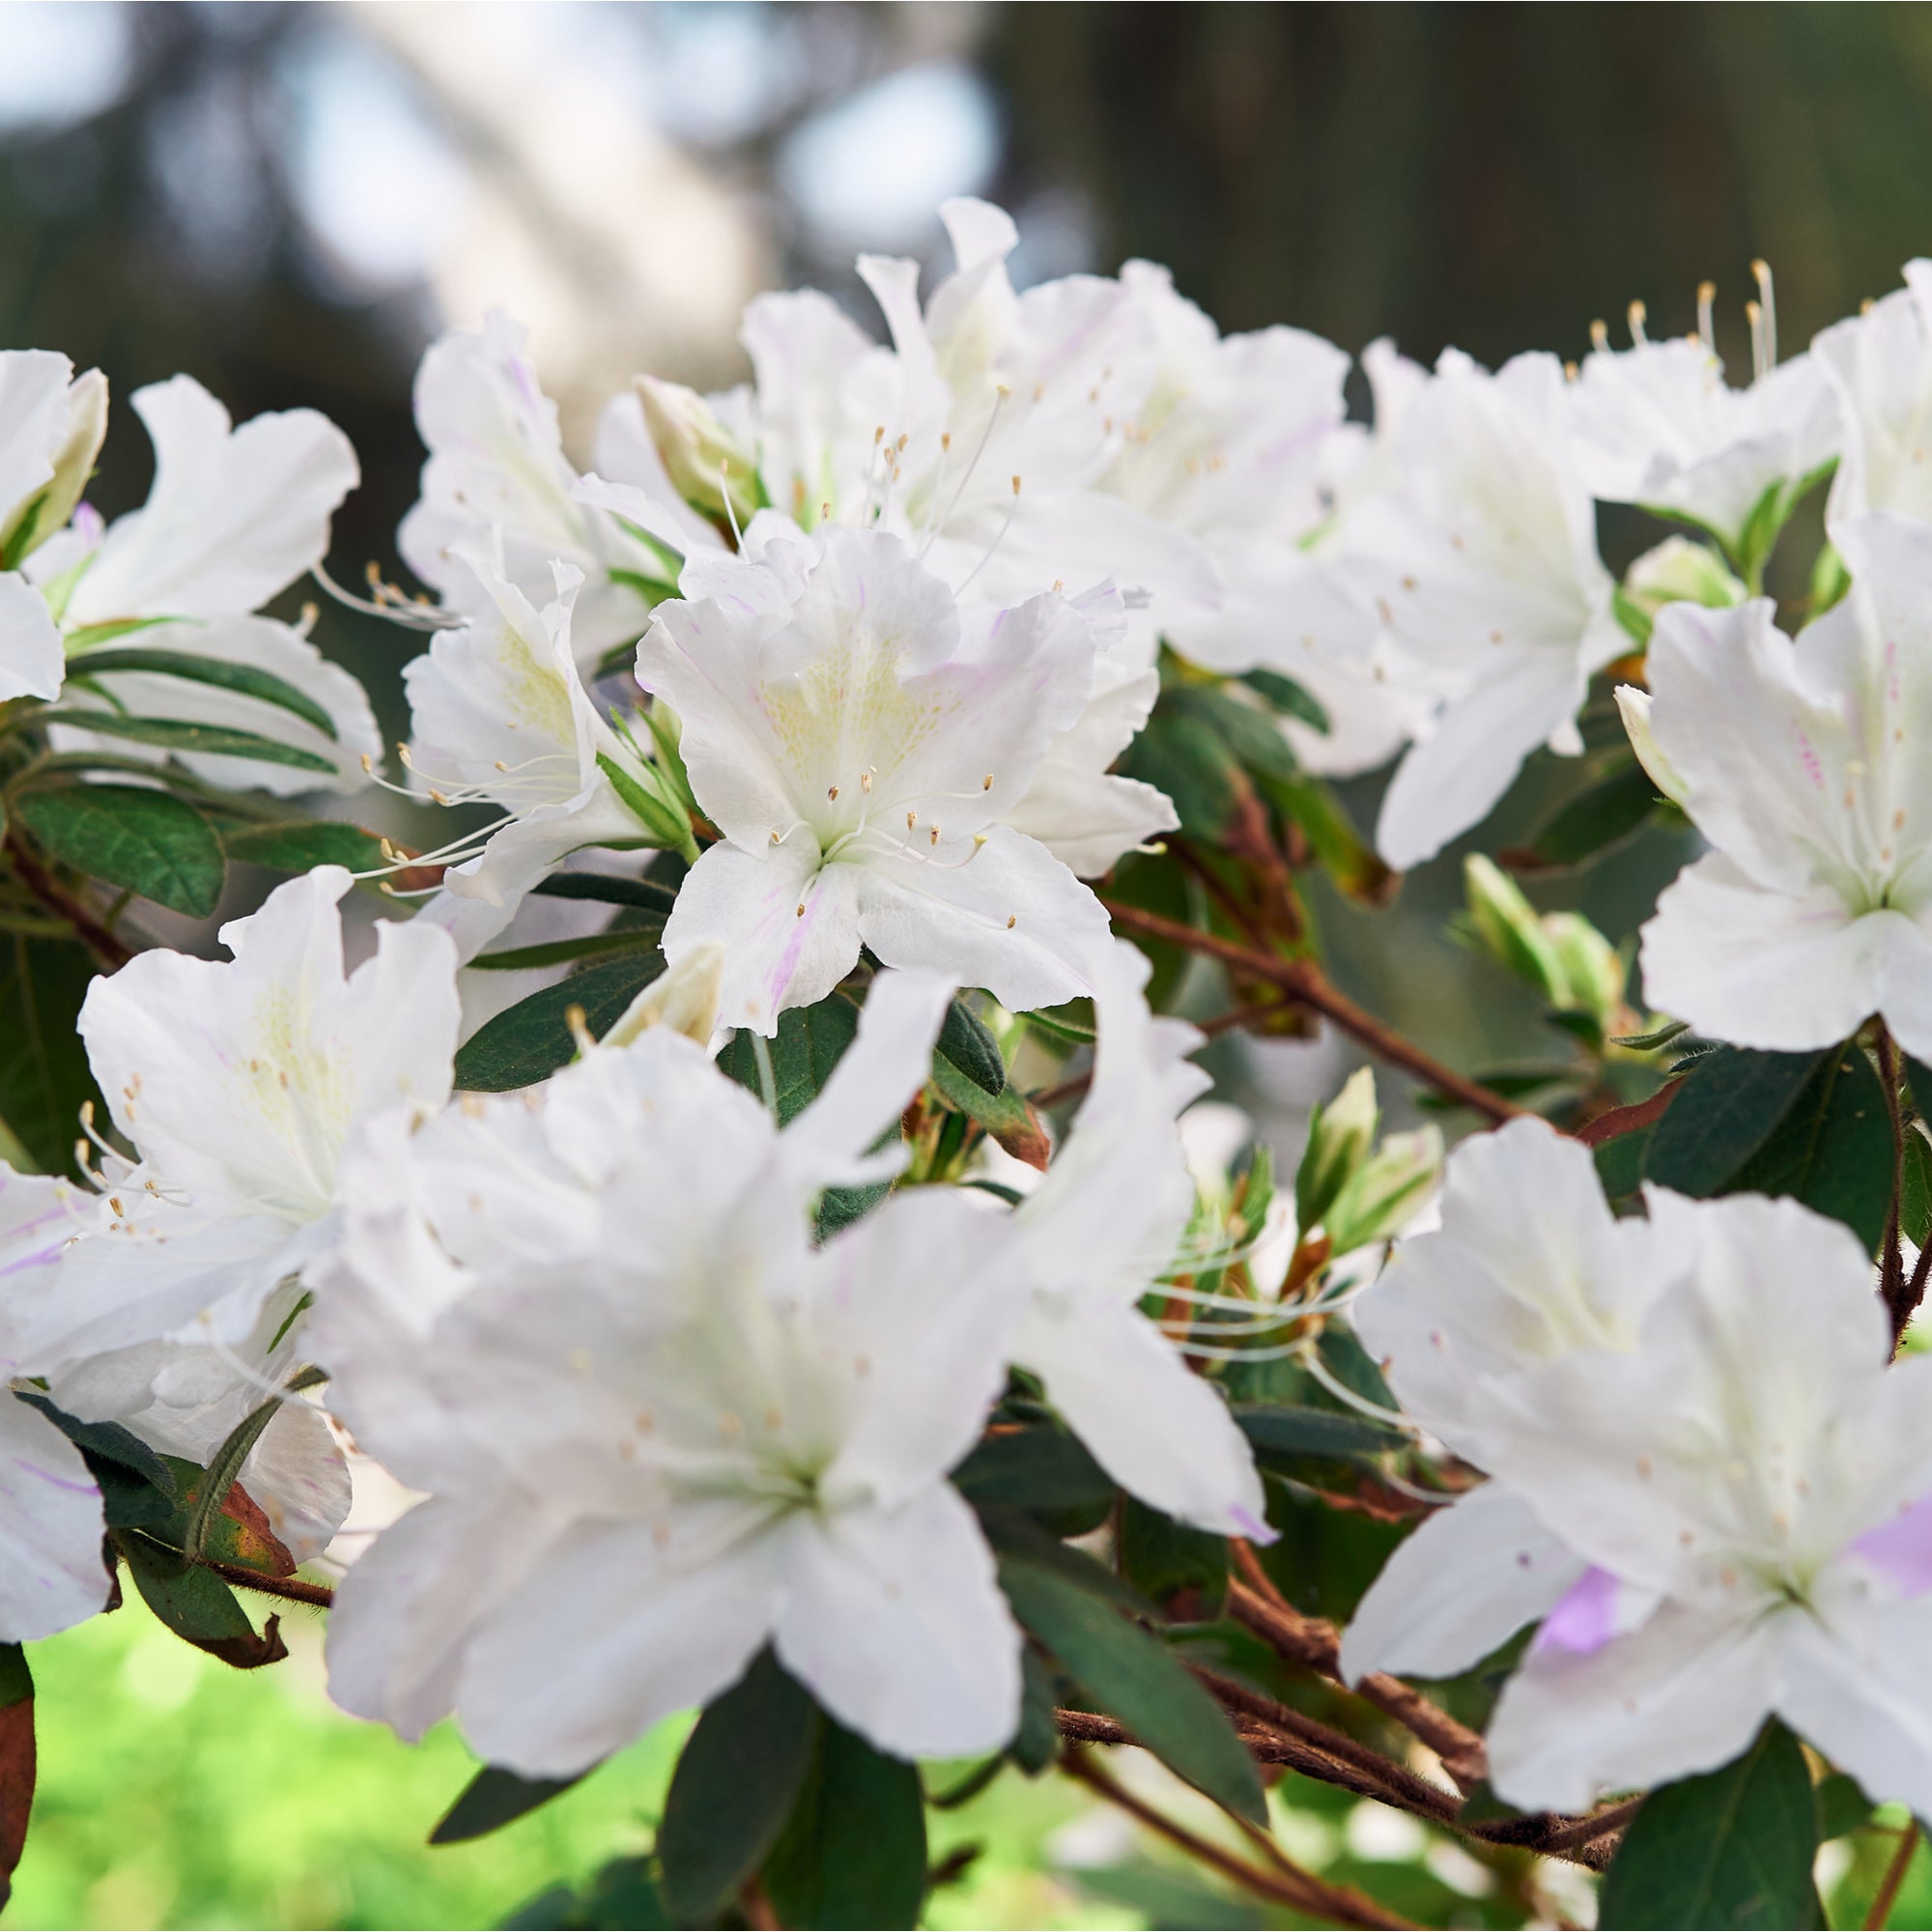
(1251, 735)
(1165, 1558)
(244, 679)
(734, 1787)
(609, 888)
(1033, 1469)
(1183, 755)
(1024, 1537)
(1614, 808)
(44, 1078)
(1289, 698)
(808, 1044)
(495, 1798)
(149, 841)
(529, 1041)
(965, 1042)
(1007, 1115)
(106, 1442)
(299, 844)
(1280, 1430)
(198, 1606)
(174, 735)
(854, 1851)
(1342, 851)
(1730, 1849)
(1729, 1106)
(1135, 1678)
(567, 952)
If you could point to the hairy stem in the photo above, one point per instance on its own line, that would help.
(109, 953)
(1304, 983)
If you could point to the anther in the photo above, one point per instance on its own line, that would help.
(1600, 335)
(1637, 314)
(832, 792)
(1707, 295)
(865, 780)
(800, 912)
(1013, 920)
(986, 784)
(935, 834)
(1761, 272)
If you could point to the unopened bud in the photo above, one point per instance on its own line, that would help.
(25, 526)
(1508, 929)
(707, 464)
(1593, 969)
(1386, 1191)
(1634, 705)
(1340, 1136)
(684, 998)
(1679, 571)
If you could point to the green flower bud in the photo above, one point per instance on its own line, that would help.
(1593, 969)
(1384, 1193)
(1340, 1136)
(1679, 571)
(26, 525)
(1508, 929)
(707, 464)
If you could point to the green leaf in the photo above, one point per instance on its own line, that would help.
(1033, 1469)
(182, 739)
(16, 1681)
(565, 951)
(965, 1042)
(734, 1787)
(1279, 1430)
(529, 1041)
(1597, 820)
(495, 1798)
(1182, 754)
(1289, 698)
(1831, 1150)
(300, 845)
(1014, 1533)
(1164, 1558)
(808, 1044)
(1620, 1163)
(106, 1442)
(1730, 1849)
(1134, 1677)
(198, 1606)
(1649, 1043)
(609, 888)
(244, 679)
(1037, 1743)
(1340, 850)
(44, 1078)
(149, 841)
(1730, 1105)
(1251, 735)
(1007, 1115)
(854, 1851)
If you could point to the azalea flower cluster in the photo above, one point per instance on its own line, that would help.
(751, 1189)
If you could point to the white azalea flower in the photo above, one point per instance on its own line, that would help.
(1484, 566)
(1099, 1231)
(235, 516)
(1707, 1483)
(50, 431)
(500, 713)
(1656, 424)
(654, 1457)
(237, 1084)
(862, 742)
(1880, 363)
(497, 465)
(1243, 445)
(1801, 765)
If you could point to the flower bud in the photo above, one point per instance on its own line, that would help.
(1386, 1191)
(706, 464)
(1634, 706)
(683, 998)
(1340, 1136)
(26, 525)
(1508, 930)
(1593, 969)
(1679, 571)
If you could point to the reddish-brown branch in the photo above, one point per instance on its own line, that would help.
(1304, 983)
(1285, 1884)
(1894, 1877)
(109, 953)
(290, 1589)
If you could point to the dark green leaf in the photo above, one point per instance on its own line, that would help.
(610, 889)
(734, 1787)
(1731, 1103)
(566, 951)
(185, 740)
(1730, 1849)
(1133, 1677)
(44, 1079)
(299, 844)
(1183, 755)
(1032, 1469)
(854, 1851)
(1341, 851)
(965, 1042)
(1289, 698)
(1914, 1206)
(198, 1606)
(244, 679)
(1166, 1558)
(1649, 1043)
(149, 841)
(16, 1681)
(529, 1041)
(106, 1442)
(1007, 1115)
(1037, 1743)
(1620, 1163)
(1023, 1536)
(808, 1044)
(1250, 733)
(495, 1798)
(1277, 1430)
(1842, 1805)
(1595, 821)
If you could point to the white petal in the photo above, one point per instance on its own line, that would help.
(894, 1620)
(1683, 1695)
(1853, 1691)
(33, 417)
(51, 1572)
(32, 659)
(1461, 1585)
(235, 515)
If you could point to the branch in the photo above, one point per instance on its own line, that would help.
(1894, 1877)
(109, 953)
(290, 1589)
(1286, 1885)
(1304, 983)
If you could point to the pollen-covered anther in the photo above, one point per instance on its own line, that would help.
(1013, 920)
(935, 834)
(832, 792)
(986, 784)
(799, 911)
(866, 781)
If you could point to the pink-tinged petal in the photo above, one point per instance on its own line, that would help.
(1900, 1549)
(1585, 1618)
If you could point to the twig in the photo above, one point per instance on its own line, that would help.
(1304, 983)
(109, 953)
(1286, 1885)
(291, 1589)
(1894, 1877)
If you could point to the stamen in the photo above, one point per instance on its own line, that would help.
(730, 509)
(1600, 337)
(1707, 329)
(391, 604)
(1761, 271)
(1637, 314)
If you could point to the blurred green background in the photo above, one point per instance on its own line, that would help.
(289, 202)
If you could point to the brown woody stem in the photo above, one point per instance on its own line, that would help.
(109, 953)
